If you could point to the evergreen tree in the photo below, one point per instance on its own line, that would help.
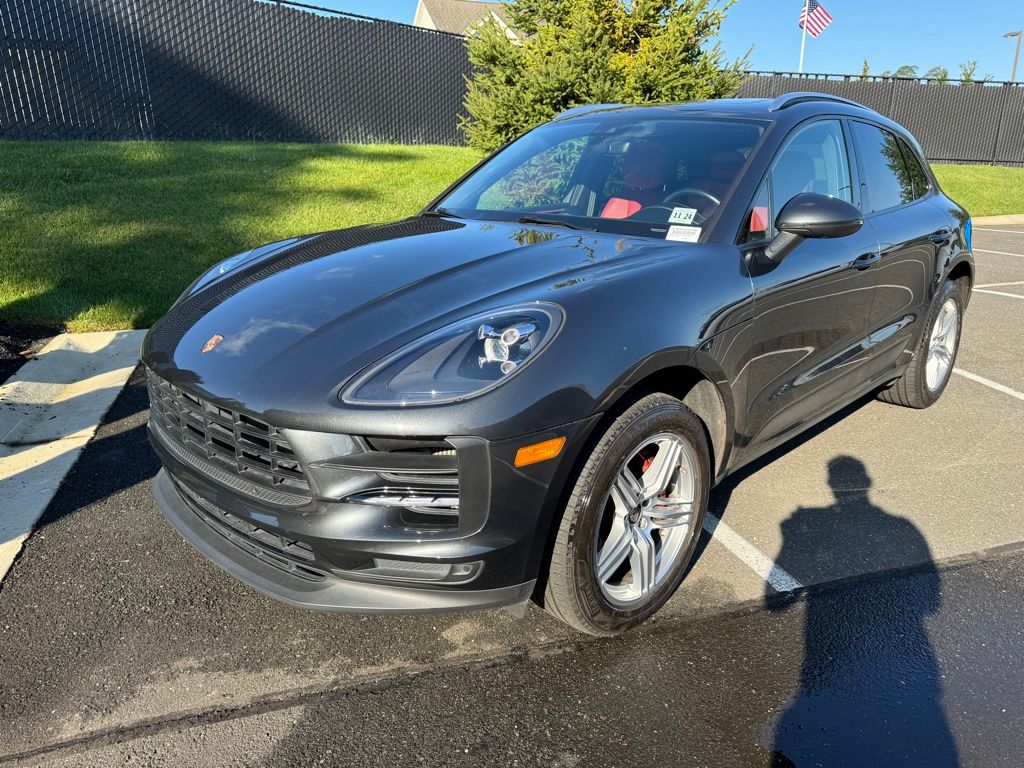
(570, 52)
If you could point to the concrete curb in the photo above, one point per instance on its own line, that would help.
(1010, 218)
(49, 410)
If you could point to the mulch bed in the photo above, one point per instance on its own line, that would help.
(19, 344)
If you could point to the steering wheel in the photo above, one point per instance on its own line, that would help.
(692, 191)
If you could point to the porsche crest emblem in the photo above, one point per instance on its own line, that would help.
(212, 342)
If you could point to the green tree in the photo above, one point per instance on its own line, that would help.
(938, 74)
(907, 70)
(969, 73)
(865, 70)
(571, 52)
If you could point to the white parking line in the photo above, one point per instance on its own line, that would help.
(49, 410)
(1000, 293)
(751, 556)
(989, 383)
(1001, 253)
(999, 285)
(1007, 231)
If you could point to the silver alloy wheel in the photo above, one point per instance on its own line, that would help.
(648, 518)
(942, 345)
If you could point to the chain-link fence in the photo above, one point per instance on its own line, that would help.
(954, 121)
(223, 69)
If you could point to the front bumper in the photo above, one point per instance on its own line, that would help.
(329, 594)
(331, 553)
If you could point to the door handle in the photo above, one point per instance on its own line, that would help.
(865, 260)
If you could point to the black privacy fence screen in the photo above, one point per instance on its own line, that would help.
(286, 71)
(954, 121)
(223, 69)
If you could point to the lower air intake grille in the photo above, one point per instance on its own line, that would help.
(296, 557)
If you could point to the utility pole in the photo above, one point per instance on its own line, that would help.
(803, 37)
(1016, 56)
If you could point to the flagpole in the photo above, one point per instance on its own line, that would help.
(803, 37)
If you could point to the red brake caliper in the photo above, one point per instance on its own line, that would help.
(648, 460)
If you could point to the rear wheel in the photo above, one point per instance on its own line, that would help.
(631, 525)
(929, 370)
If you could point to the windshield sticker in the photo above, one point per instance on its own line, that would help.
(683, 234)
(682, 215)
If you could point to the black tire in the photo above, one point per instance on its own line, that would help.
(911, 389)
(572, 593)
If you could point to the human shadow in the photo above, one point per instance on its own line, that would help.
(870, 691)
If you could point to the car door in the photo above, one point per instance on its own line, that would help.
(804, 349)
(911, 232)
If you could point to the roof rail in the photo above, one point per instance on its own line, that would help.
(799, 97)
(584, 109)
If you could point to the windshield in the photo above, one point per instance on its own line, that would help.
(659, 177)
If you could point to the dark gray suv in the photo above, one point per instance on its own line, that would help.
(529, 389)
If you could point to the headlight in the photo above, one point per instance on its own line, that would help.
(221, 268)
(461, 360)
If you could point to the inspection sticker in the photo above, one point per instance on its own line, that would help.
(682, 215)
(683, 234)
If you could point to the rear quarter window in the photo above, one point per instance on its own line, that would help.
(887, 180)
(918, 177)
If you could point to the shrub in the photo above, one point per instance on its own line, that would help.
(570, 52)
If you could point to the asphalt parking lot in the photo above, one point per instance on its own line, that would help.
(902, 532)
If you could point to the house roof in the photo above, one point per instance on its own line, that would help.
(459, 15)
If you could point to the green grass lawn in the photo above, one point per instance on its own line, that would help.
(101, 235)
(105, 235)
(984, 190)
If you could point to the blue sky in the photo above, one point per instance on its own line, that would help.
(888, 32)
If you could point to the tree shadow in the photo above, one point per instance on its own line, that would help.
(870, 689)
(103, 234)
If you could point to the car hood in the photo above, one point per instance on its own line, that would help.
(310, 315)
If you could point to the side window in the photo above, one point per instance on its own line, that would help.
(917, 175)
(541, 180)
(887, 180)
(812, 160)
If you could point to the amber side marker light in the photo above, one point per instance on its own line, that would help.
(531, 454)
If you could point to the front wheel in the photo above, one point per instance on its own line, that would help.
(930, 368)
(631, 525)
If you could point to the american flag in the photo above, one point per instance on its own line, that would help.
(815, 17)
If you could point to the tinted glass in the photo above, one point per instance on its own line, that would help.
(918, 177)
(887, 181)
(611, 173)
(814, 159)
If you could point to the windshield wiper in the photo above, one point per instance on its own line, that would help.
(550, 223)
(442, 212)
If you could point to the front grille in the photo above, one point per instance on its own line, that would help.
(230, 440)
(290, 555)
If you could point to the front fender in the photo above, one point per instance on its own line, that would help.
(697, 379)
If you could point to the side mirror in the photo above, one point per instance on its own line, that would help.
(811, 215)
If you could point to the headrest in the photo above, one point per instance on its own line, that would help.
(646, 165)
